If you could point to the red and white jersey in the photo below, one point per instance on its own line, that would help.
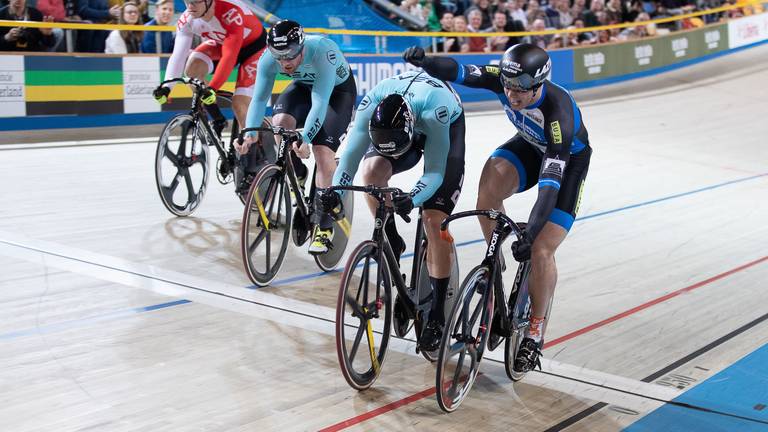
(233, 26)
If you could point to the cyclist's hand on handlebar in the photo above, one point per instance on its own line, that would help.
(161, 94)
(245, 146)
(208, 96)
(403, 205)
(414, 55)
(521, 248)
(300, 147)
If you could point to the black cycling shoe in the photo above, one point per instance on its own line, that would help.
(528, 356)
(431, 336)
(244, 185)
(398, 246)
(400, 321)
(218, 126)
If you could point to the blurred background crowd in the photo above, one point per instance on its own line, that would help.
(473, 16)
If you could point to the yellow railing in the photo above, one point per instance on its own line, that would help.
(80, 26)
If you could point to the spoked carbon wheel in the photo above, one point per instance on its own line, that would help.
(181, 165)
(266, 225)
(464, 339)
(363, 316)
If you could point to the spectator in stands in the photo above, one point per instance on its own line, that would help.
(498, 43)
(564, 13)
(458, 43)
(514, 9)
(55, 9)
(613, 11)
(541, 41)
(126, 41)
(411, 7)
(486, 19)
(603, 37)
(584, 37)
(556, 42)
(571, 39)
(163, 16)
(446, 26)
(590, 16)
(535, 12)
(98, 12)
(476, 44)
(578, 8)
(24, 38)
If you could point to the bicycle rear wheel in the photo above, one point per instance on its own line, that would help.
(464, 339)
(181, 165)
(363, 316)
(266, 222)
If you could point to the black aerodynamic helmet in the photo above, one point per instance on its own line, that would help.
(285, 39)
(391, 126)
(524, 66)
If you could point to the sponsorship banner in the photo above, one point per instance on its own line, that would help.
(597, 62)
(715, 38)
(140, 76)
(12, 102)
(747, 30)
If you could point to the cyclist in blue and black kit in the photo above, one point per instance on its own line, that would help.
(321, 98)
(551, 149)
(398, 121)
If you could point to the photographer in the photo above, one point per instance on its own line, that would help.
(24, 38)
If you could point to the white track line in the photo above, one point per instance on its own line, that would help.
(573, 380)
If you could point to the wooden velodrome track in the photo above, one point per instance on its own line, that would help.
(116, 316)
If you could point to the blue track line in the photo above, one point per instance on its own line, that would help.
(127, 312)
(65, 325)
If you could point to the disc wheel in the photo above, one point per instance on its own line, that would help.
(363, 316)
(266, 222)
(181, 165)
(464, 340)
(342, 230)
(425, 288)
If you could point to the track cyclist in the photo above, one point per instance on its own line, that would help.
(232, 35)
(321, 98)
(400, 119)
(551, 148)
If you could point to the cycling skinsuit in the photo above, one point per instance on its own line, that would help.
(439, 127)
(321, 97)
(233, 36)
(551, 148)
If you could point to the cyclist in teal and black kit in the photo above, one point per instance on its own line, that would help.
(321, 99)
(402, 118)
(551, 149)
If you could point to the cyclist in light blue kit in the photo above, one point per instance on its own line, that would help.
(401, 119)
(321, 98)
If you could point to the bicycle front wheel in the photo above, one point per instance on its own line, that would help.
(464, 339)
(363, 316)
(181, 165)
(266, 222)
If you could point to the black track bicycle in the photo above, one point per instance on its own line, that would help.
(366, 311)
(480, 318)
(268, 218)
(181, 158)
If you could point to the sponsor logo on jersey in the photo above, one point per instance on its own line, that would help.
(331, 56)
(420, 186)
(364, 103)
(553, 168)
(474, 70)
(442, 114)
(314, 129)
(341, 71)
(494, 70)
(557, 136)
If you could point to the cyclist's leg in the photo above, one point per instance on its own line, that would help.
(501, 177)
(543, 276)
(246, 78)
(327, 141)
(289, 111)
(201, 61)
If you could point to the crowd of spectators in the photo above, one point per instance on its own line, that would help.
(23, 38)
(486, 16)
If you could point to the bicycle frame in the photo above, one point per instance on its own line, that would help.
(518, 302)
(383, 213)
